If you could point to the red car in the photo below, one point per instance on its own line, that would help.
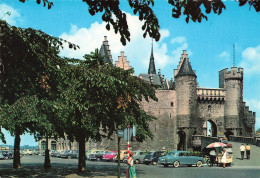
(109, 156)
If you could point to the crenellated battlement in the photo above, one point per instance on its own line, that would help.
(233, 73)
(211, 93)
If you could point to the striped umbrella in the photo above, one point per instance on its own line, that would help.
(216, 144)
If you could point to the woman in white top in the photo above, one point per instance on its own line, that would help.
(224, 158)
(131, 168)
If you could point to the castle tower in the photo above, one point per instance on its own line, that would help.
(186, 93)
(232, 82)
(151, 69)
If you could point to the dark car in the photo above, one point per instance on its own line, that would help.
(70, 154)
(97, 155)
(54, 153)
(152, 157)
(7, 154)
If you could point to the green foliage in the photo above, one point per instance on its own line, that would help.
(113, 15)
(90, 98)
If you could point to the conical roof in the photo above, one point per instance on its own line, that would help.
(185, 69)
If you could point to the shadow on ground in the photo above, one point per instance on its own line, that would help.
(62, 170)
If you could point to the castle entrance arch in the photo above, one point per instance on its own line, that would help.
(228, 133)
(211, 128)
(182, 140)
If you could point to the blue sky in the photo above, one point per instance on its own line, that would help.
(209, 44)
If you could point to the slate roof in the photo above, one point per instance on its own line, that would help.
(105, 52)
(186, 69)
(156, 78)
(151, 69)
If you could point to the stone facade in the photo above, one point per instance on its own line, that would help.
(183, 108)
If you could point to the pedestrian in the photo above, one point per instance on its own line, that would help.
(242, 151)
(212, 157)
(248, 148)
(131, 168)
(224, 158)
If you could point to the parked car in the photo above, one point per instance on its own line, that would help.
(97, 155)
(152, 157)
(43, 152)
(123, 153)
(54, 153)
(177, 158)
(27, 152)
(70, 154)
(1, 156)
(7, 154)
(109, 156)
(59, 153)
(139, 156)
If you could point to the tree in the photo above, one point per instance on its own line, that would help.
(192, 9)
(25, 54)
(258, 130)
(90, 99)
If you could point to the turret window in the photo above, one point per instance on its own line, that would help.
(171, 104)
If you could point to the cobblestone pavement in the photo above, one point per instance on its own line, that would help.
(254, 160)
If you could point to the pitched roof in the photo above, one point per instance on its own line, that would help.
(185, 69)
(105, 52)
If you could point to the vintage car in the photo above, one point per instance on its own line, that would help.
(152, 157)
(97, 155)
(70, 154)
(123, 153)
(109, 156)
(177, 158)
(138, 157)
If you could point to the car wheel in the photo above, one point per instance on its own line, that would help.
(176, 164)
(147, 163)
(165, 165)
(137, 161)
(98, 159)
(199, 164)
(69, 157)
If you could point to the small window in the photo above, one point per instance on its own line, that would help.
(171, 104)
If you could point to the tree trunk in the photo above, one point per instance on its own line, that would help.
(17, 140)
(81, 158)
(47, 161)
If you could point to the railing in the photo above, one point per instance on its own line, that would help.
(250, 140)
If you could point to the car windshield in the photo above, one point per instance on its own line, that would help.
(150, 153)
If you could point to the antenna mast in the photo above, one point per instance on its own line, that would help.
(234, 55)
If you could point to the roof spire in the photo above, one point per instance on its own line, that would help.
(152, 69)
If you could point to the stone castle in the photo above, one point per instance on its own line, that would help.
(183, 108)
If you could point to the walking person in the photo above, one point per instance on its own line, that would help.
(131, 168)
(248, 148)
(242, 151)
(212, 157)
(224, 158)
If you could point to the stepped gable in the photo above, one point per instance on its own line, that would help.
(122, 62)
(105, 52)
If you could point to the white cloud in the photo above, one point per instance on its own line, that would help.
(178, 40)
(9, 14)
(251, 60)
(138, 50)
(224, 56)
(179, 44)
